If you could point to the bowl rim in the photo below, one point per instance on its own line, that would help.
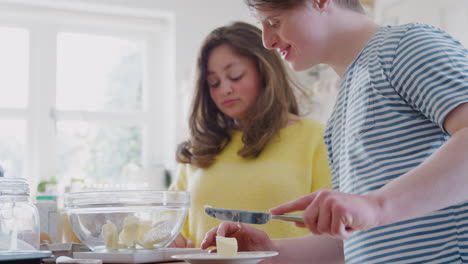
(112, 198)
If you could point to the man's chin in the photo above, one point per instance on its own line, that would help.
(297, 66)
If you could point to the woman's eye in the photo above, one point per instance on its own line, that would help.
(236, 78)
(214, 85)
(212, 81)
(236, 75)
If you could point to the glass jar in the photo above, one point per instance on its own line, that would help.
(19, 218)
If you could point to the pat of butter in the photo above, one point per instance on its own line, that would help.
(226, 246)
(110, 236)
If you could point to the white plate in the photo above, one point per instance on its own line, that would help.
(137, 256)
(252, 257)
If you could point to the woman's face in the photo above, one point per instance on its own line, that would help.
(298, 34)
(233, 81)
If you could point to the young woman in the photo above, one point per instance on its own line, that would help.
(397, 140)
(248, 147)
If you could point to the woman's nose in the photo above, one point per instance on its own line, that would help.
(270, 41)
(226, 88)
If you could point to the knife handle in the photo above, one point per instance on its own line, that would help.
(291, 218)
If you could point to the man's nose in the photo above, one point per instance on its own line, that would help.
(270, 40)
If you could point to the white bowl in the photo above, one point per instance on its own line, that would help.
(148, 211)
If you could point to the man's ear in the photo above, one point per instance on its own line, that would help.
(323, 4)
(319, 5)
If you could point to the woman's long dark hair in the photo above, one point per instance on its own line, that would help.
(209, 127)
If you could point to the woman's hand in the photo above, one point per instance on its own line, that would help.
(248, 237)
(181, 242)
(335, 213)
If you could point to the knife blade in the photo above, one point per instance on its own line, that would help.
(248, 217)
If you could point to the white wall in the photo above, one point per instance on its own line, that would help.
(451, 15)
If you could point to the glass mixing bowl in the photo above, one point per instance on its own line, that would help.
(122, 220)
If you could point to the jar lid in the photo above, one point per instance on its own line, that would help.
(46, 198)
(126, 197)
(13, 186)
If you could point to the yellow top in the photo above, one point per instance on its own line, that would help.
(291, 165)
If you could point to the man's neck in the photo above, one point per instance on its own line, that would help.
(352, 33)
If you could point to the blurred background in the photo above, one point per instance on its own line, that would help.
(94, 94)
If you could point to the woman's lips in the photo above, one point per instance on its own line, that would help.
(230, 102)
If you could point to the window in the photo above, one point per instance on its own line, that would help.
(13, 100)
(99, 73)
(14, 62)
(85, 92)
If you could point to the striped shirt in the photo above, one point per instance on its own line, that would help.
(387, 120)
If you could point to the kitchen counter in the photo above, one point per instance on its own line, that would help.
(171, 262)
(162, 255)
(168, 262)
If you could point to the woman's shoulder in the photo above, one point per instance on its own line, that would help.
(307, 124)
(304, 129)
(304, 136)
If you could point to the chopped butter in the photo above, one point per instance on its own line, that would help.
(226, 246)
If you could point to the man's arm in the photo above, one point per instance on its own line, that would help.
(440, 181)
(309, 249)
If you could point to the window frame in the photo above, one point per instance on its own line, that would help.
(44, 20)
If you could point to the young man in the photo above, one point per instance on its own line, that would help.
(397, 139)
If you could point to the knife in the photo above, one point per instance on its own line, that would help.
(248, 217)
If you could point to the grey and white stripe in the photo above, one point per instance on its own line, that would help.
(387, 120)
